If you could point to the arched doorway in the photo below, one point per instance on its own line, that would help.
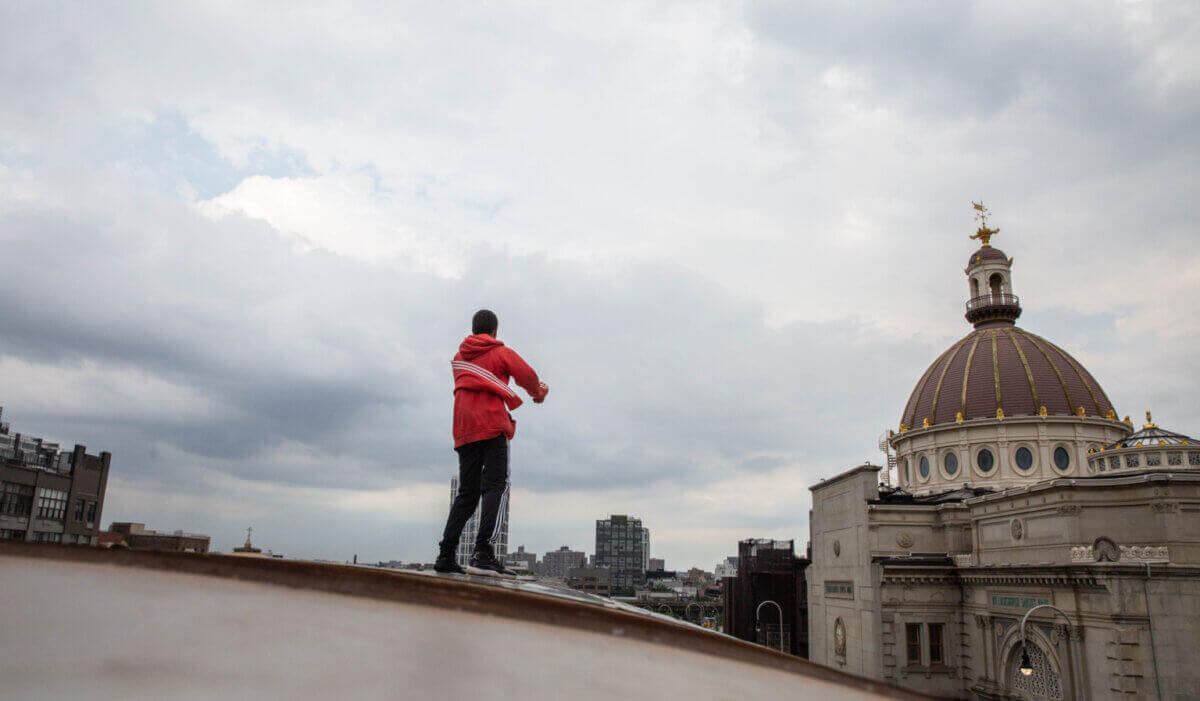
(1044, 684)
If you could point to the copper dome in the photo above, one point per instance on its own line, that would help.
(1003, 368)
(986, 253)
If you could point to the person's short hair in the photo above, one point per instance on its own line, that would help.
(484, 321)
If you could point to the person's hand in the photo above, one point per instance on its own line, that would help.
(542, 398)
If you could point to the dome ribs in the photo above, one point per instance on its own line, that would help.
(910, 412)
(1083, 379)
(1003, 368)
(1069, 407)
(1073, 379)
(996, 370)
(937, 393)
(1028, 373)
(967, 375)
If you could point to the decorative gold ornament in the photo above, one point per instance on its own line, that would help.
(1080, 412)
(999, 413)
(983, 234)
(1042, 411)
(925, 422)
(1126, 420)
(1111, 415)
(1149, 421)
(958, 418)
(903, 428)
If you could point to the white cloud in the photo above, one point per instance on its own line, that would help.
(730, 235)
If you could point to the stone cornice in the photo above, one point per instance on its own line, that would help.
(919, 431)
(1098, 482)
(848, 473)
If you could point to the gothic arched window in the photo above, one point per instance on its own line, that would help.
(1044, 683)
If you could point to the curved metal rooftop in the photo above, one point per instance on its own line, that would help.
(103, 624)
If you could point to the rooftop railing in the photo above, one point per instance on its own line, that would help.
(996, 300)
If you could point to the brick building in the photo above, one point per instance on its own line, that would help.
(556, 563)
(135, 536)
(593, 580)
(768, 571)
(49, 495)
(623, 545)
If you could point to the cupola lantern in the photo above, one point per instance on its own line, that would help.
(990, 299)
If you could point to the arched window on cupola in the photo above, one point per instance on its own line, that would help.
(996, 283)
(974, 287)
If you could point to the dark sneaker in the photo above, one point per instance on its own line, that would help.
(446, 564)
(487, 562)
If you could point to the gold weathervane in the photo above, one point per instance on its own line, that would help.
(984, 234)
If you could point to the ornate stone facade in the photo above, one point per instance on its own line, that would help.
(1006, 498)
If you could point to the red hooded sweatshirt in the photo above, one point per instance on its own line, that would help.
(482, 397)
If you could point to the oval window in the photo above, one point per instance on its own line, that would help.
(985, 460)
(1024, 458)
(1062, 459)
(951, 463)
(924, 467)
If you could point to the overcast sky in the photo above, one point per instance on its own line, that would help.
(239, 244)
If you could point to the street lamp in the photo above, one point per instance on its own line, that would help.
(780, 610)
(1026, 667)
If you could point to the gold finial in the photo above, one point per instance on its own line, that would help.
(984, 234)
(1126, 420)
(999, 413)
(1149, 421)
(249, 529)
(958, 418)
(1042, 411)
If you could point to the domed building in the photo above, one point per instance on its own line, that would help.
(1013, 492)
(1001, 407)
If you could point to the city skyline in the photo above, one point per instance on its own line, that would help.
(724, 235)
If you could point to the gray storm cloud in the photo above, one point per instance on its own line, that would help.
(239, 245)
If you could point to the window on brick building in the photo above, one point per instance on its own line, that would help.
(913, 636)
(15, 499)
(52, 504)
(936, 654)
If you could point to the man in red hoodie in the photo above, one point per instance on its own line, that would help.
(482, 430)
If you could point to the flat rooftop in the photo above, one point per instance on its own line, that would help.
(101, 624)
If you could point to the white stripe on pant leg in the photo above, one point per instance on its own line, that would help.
(500, 514)
(504, 496)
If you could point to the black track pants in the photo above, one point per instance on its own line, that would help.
(482, 472)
